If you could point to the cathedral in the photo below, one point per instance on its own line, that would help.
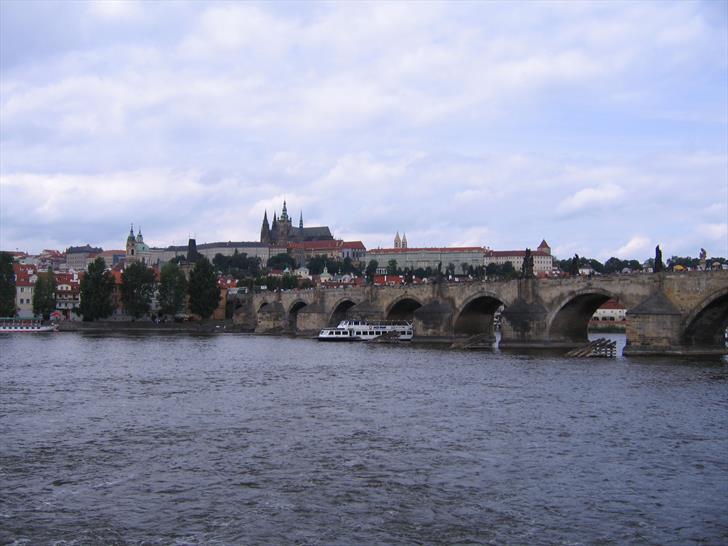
(281, 232)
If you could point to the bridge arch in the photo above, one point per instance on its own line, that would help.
(262, 306)
(402, 308)
(292, 315)
(339, 310)
(705, 325)
(570, 319)
(477, 313)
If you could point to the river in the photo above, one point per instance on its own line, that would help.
(241, 439)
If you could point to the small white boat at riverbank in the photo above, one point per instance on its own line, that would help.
(361, 330)
(25, 326)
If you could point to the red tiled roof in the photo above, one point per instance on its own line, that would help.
(519, 253)
(356, 245)
(612, 304)
(117, 276)
(427, 249)
(316, 245)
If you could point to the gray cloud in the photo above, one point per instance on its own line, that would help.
(592, 125)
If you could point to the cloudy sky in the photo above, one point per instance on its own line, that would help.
(601, 127)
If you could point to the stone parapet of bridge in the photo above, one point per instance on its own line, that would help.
(667, 312)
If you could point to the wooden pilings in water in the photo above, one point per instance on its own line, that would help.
(599, 348)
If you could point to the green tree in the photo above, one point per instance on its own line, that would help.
(172, 289)
(347, 266)
(508, 272)
(202, 289)
(7, 285)
(371, 270)
(392, 267)
(281, 261)
(317, 263)
(288, 281)
(137, 289)
(614, 265)
(97, 287)
(44, 295)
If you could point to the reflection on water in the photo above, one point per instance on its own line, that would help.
(243, 439)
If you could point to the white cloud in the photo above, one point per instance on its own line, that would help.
(591, 198)
(115, 9)
(457, 123)
(635, 247)
(714, 232)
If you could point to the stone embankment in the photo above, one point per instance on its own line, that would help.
(203, 327)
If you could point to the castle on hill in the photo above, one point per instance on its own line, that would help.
(281, 232)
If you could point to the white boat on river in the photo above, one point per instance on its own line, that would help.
(362, 330)
(25, 326)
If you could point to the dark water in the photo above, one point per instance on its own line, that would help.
(254, 440)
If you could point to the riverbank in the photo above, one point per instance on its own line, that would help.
(204, 326)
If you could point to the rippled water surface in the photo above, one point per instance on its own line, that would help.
(256, 440)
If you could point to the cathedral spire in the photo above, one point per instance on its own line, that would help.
(284, 212)
(404, 240)
(265, 229)
(397, 241)
(300, 221)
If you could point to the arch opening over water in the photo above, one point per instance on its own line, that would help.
(476, 316)
(293, 315)
(403, 309)
(708, 326)
(339, 312)
(571, 321)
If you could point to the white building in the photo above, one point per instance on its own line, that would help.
(611, 311)
(422, 258)
(543, 262)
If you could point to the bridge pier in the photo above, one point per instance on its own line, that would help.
(271, 319)
(655, 327)
(433, 322)
(311, 319)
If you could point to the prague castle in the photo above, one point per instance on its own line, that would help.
(281, 231)
(280, 236)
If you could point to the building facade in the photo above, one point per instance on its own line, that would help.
(422, 258)
(25, 279)
(78, 257)
(543, 262)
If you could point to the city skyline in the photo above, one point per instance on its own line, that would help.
(602, 128)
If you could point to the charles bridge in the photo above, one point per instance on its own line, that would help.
(667, 313)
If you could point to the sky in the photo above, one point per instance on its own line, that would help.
(601, 127)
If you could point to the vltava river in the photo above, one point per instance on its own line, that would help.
(237, 439)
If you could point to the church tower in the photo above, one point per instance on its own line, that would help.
(265, 230)
(284, 226)
(404, 240)
(130, 244)
(397, 241)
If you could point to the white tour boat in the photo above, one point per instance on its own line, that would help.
(26, 326)
(362, 330)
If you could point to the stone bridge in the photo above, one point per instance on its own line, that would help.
(667, 312)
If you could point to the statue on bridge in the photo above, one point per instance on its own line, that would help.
(659, 266)
(703, 259)
(574, 266)
(527, 266)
